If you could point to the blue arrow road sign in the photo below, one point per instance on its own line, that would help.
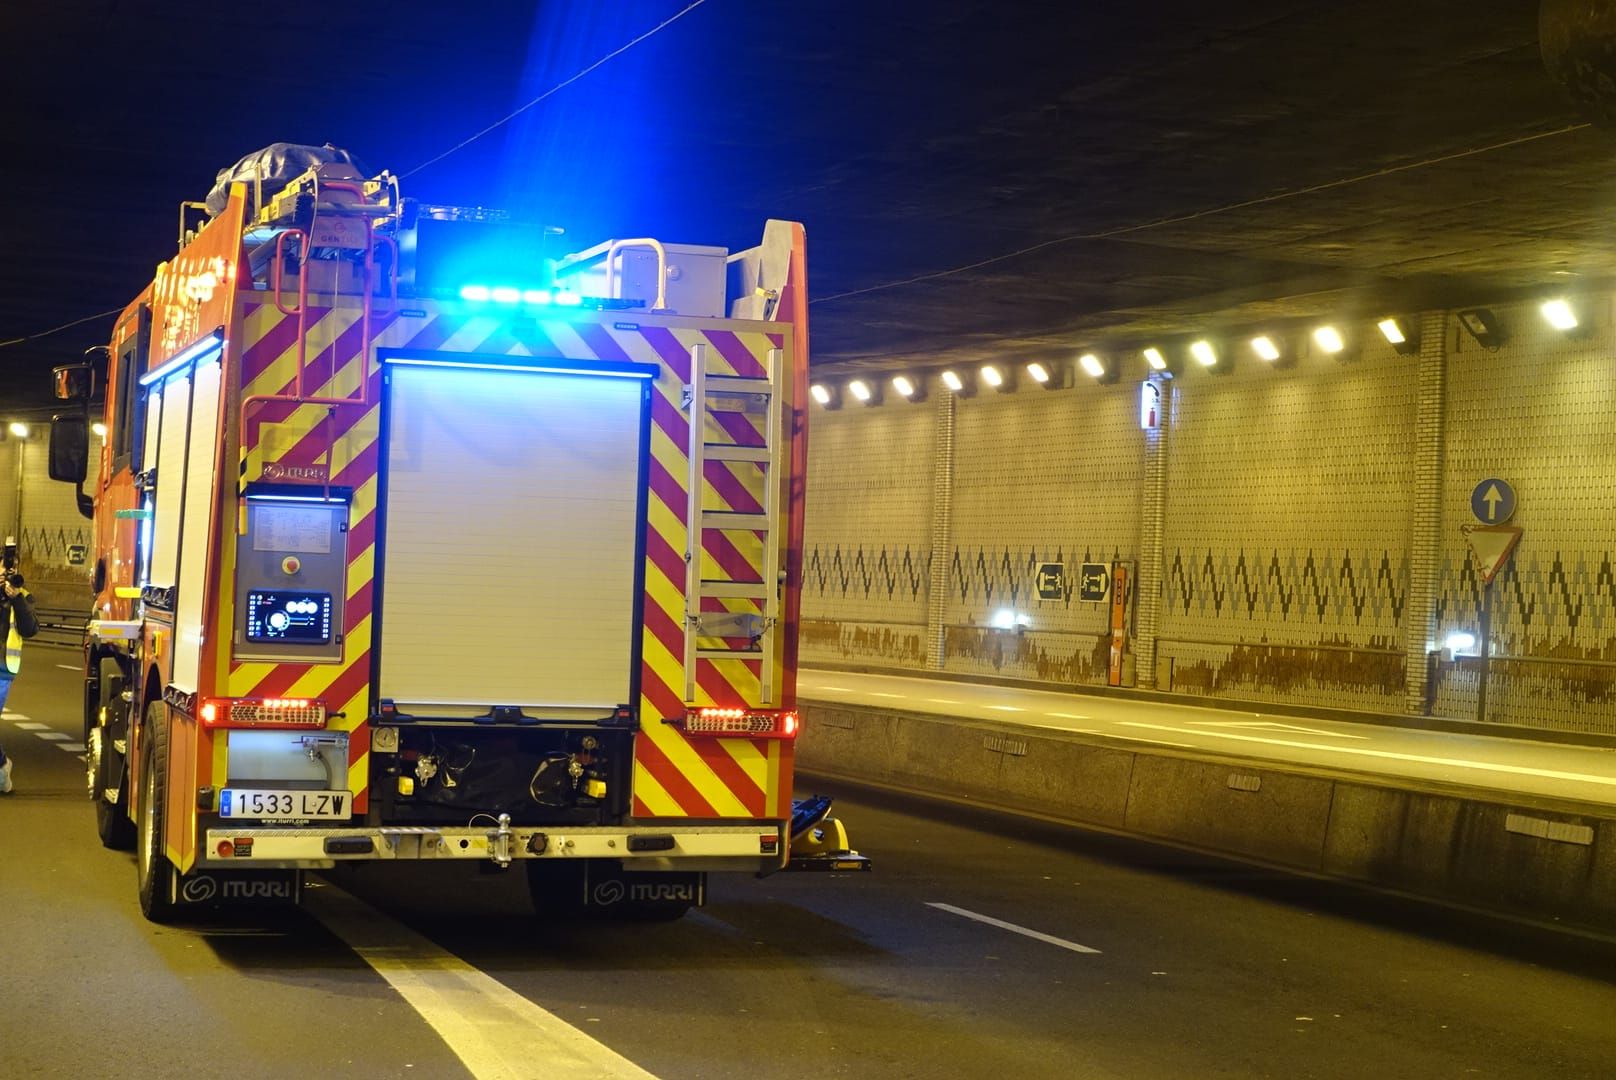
(1493, 501)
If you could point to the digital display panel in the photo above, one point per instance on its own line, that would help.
(285, 616)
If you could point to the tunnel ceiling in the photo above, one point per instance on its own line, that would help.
(977, 179)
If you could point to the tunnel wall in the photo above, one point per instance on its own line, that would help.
(1293, 531)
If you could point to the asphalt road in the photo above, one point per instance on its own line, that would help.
(981, 946)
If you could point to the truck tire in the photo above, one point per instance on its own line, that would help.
(105, 766)
(154, 874)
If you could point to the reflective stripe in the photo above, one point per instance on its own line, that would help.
(13, 648)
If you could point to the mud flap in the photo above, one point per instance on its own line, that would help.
(607, 888)
(239, 888)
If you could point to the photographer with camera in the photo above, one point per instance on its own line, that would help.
(16, 622)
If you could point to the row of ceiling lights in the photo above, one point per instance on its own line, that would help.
(1051, 375)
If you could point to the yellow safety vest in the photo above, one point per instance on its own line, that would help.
(13, 644)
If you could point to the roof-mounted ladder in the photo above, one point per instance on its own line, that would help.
(707, 392)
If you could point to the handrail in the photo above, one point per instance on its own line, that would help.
(662, 267)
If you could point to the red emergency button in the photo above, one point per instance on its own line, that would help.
(290, 565)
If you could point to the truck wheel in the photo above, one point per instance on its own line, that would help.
(154, 874)
(105, 766)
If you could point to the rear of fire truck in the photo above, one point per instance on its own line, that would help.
(416, 541)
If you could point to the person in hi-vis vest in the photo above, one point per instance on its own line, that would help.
(16, 622)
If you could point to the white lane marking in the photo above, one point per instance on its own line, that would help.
(16, 716)
(71, 667)
(1006, 708)
(837, 689)
(942, 700)
(72, 747)
(1013, 928)
(494, 1031)
(1067, 715)
(877, 693)
(32, 727)
(1274, 725)
(1388, 755)
(52, 736)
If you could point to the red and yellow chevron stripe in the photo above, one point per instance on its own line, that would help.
(674, 775)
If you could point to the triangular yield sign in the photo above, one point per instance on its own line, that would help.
(1491, 545)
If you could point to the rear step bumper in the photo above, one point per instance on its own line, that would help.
(756, 847)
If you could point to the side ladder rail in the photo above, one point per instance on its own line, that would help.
(760, 628)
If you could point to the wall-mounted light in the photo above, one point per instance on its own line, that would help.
(1330, 341)
(1102, 369)
(909, 387)
(1159, 361)
(865, 391)
(1204, 353)
(1400, 335)
(1559, 314)
(1010, 619)
(1048, 374)
(18, 429)
(997, 377)
(1481, 324)
(826, 395)
(958, 383)
(100, 429)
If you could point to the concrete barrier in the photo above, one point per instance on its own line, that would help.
(1542, 859)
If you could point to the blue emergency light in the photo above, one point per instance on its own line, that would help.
(510, 294)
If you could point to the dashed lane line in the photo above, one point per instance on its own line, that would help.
(23, 724)
(1036, 935)
(495, 1032)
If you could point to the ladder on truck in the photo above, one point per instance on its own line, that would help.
(706, 393)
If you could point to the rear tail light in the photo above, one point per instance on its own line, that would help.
(750, 723)
(262, 712)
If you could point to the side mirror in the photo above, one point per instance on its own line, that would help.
(69, 447)
(74, 382)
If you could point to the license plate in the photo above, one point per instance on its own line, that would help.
(285, 805)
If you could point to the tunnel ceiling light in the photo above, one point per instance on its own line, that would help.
(959, 383)
(909, 387)
(100, 429)
(19, 429)
(1153, 357)
(865, 392)
(1559, 314)
(826, 395)
(1265, 348)
(1100, 367)
(995, 377)
(1399, 334)
(1039, 373)
(1204, 353)
(1330, 340)
(1481, 324)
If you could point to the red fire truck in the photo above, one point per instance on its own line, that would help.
(414, 543)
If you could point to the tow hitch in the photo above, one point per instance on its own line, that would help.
(819, 841)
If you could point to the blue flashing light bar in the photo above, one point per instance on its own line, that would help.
(195, 353)
(510, 294)
(614, 369)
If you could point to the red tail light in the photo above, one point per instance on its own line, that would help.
(262, 712)
(748, 723)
